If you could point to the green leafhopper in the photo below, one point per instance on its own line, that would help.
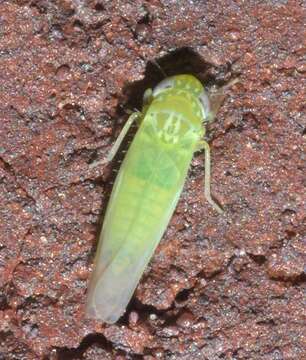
(148, 187)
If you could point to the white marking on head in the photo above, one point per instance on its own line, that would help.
(165, 84)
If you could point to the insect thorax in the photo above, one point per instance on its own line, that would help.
(175, 118)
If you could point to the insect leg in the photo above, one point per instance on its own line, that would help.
(216, 99)
(204, 145)
(133, 117)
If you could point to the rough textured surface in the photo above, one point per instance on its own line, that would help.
(219, 287)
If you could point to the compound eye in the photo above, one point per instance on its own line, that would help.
(163, 85)
(204, 100)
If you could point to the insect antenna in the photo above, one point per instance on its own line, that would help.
(160, 69)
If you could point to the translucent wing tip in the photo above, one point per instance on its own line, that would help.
(105, 313)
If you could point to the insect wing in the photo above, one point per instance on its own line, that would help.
(143, 200)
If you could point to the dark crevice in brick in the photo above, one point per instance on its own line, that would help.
(87, 342)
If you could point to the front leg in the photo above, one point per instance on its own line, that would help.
(136, 116)
(215, 99)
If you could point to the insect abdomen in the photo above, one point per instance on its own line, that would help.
(148, 185)
(142, 203)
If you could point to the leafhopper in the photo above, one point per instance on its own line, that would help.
(147, 188)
